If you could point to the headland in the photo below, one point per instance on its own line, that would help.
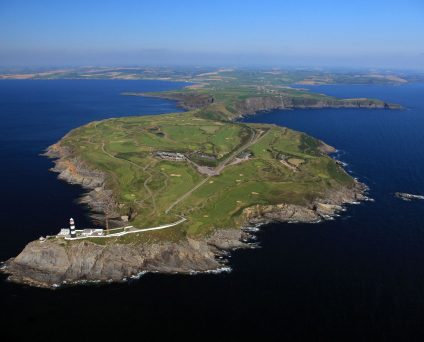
(220, 175)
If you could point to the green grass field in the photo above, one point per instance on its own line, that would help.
(144, 184)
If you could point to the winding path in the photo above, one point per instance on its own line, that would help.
(144, 169)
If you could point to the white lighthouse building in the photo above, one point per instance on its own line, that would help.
(72, 227)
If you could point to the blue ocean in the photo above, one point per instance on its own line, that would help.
(359, 277)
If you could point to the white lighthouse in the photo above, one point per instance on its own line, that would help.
(72, 227)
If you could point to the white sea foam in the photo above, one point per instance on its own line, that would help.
(369, 199)
(224, 269)
(251, 229)
(138, 275)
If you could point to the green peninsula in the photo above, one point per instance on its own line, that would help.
(227, 95)
(225, 167)
(216, 175)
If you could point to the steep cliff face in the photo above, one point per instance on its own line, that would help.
(322, 208)
(186, 100)
(74, 171)
(261, 103)
(194, 101)
(53, 262)
(252, 105)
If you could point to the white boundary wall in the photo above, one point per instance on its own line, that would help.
(164, 226)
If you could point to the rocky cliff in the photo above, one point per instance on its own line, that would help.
(74, 171)
(261, 103)
(186, 100)
(54, 262)
(252, 105)
(323, 208)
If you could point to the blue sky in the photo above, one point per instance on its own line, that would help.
(302, 32)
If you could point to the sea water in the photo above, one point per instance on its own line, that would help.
(359, 277)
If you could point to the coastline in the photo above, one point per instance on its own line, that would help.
(51, 264)
(253, 105)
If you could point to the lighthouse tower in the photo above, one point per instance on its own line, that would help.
(72, 228)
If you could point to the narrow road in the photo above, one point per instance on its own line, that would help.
(253, 140)
(187, 194)
(132, 231)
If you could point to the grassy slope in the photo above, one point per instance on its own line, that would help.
(123, 148)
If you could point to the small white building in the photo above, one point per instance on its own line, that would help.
(175, 156)
(92, 232)
(64, 232)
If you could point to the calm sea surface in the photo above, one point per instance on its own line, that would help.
(360, 277)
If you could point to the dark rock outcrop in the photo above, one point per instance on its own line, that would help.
(74, 171)
(195, 100)
(323, 208)
(263, 103)
(52, 262)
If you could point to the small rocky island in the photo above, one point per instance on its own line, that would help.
(178, 192)
(408, 197)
